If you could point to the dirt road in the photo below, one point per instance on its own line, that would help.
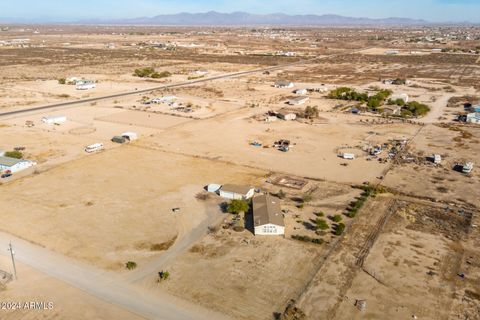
(102, 284)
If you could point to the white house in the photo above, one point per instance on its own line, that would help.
(473, 117)
(14, 165)
(54, 119)
(232, 191)
(282, 84)
(267, 216)
(298, 101)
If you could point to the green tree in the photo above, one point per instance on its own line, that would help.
(311, 112)
(321, 224)
(337, 218)
(62, 81)
(339, 229)
(281, 194)
(237, 206)
(14, 154)
(130, 265)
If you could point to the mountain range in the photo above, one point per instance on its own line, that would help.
(213, 18)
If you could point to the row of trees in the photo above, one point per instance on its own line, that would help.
(150, 72)
(373, 102)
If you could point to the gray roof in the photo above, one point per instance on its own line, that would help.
(298, 99)
(282, 82)
(9, 162)
(266, 210)
(236, 188)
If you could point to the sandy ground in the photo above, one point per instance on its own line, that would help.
(97, 191)
(67, 301)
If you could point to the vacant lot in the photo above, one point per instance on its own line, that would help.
(115, 206)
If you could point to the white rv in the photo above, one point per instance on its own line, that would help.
(348, 156)
(94, 147)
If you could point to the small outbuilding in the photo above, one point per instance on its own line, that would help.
(301, 91)
(298, 101)
(282, 84)
(267, 216)
(213, 187)
(236, 192)
(286, 115)
(54, 119)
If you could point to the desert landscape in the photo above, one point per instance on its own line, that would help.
(175, 172)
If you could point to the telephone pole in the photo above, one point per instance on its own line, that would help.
(12, 253)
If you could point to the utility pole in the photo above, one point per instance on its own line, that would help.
(12, 253)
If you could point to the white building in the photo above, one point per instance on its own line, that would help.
(213, 187)
(267, 216)
(54, 119)
(236, 192)
(282, 84)
(473, 117)
(437, 159)
(14, 165)
(298, 101)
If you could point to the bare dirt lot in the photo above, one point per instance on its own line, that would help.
(92, 210)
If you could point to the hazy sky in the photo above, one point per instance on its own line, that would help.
(58, 10)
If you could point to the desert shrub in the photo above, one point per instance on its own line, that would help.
(130, 265)
(14, 154)
(321, 224)
(339, 229)
(144, 72)
(319, 214)
(163, 275)
(337, 218)
(307, 239)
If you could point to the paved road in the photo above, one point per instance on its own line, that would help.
(176, 85)
(102, 284)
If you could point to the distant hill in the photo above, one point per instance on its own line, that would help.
(213, 18)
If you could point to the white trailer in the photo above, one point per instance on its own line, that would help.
(94, 147)
(348, 156)
(437, 159)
